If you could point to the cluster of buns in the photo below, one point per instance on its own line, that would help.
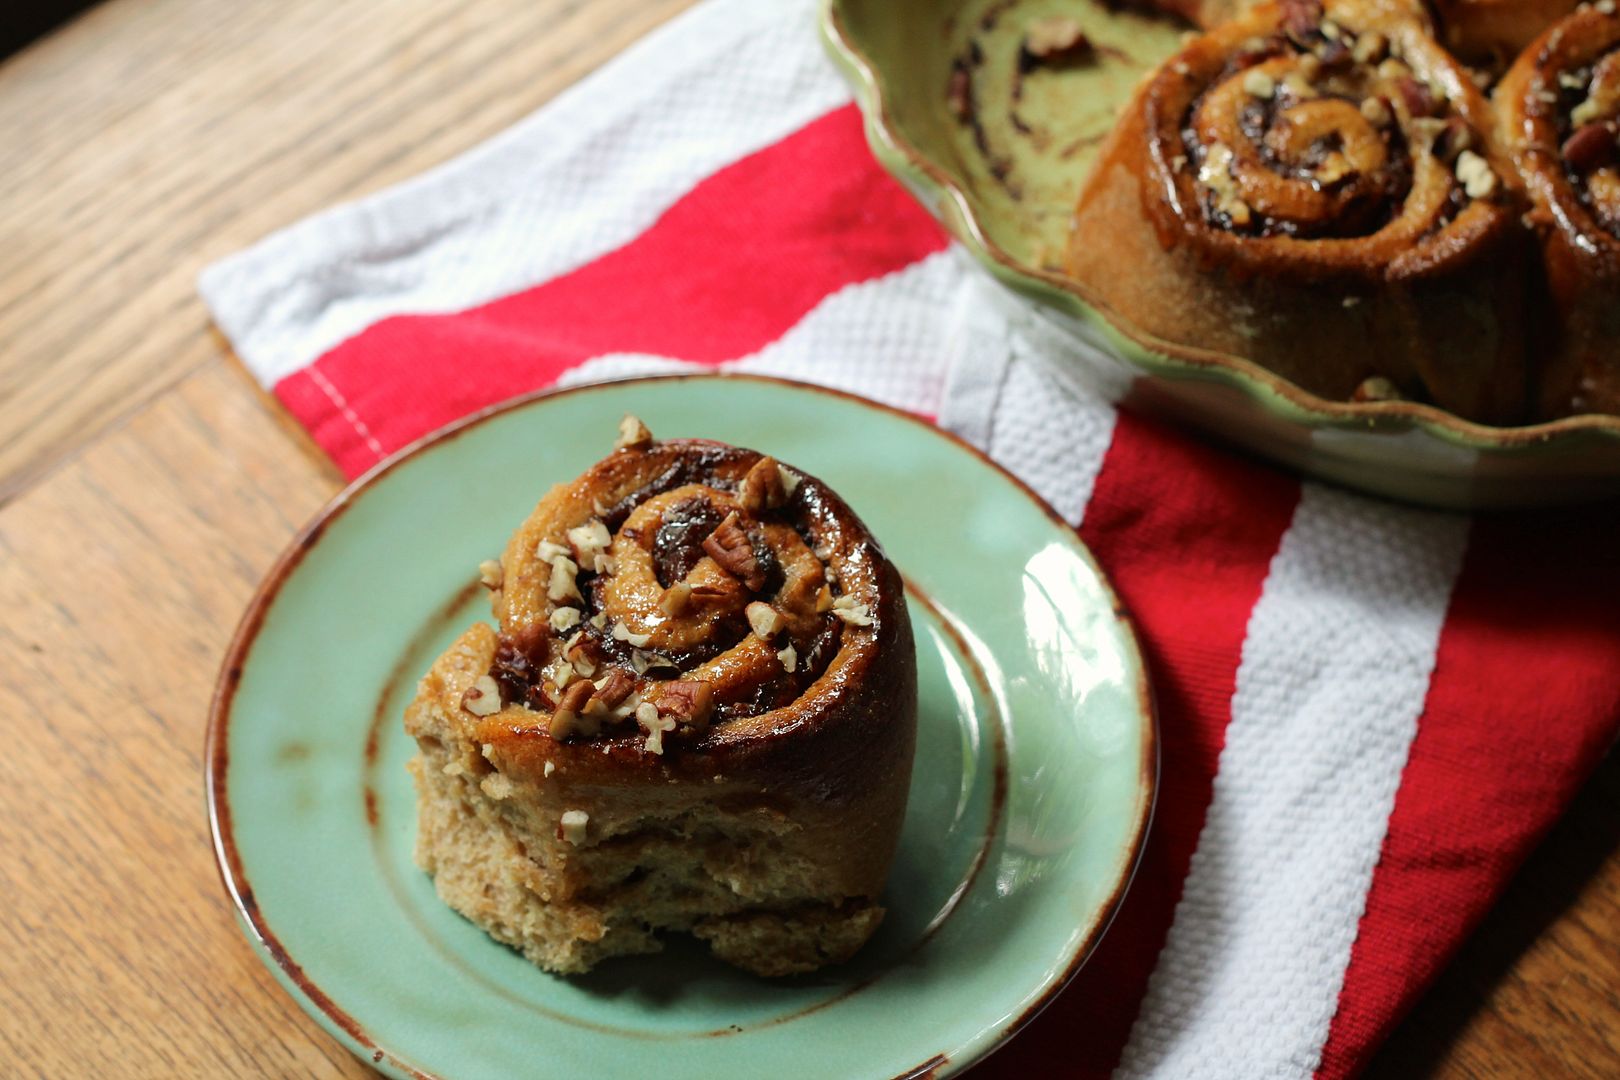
(697, 714)
(1327, 188)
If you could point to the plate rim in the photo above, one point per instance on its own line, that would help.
(308, 995)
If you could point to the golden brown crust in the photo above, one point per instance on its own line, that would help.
(1317, 191)
(1559, 108)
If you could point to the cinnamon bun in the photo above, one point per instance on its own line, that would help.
(1560, 112)
(697, 713)
(1316, 188)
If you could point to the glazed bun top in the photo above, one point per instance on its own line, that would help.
(684, 594)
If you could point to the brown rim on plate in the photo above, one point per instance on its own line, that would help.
(216, 758)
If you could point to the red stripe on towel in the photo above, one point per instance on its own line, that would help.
(728, 269)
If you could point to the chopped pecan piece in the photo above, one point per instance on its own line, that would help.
(654, 725)
(633, 434)
(763, 619)
(562, 585)
(675, 599)
(568, 719)
(589, 542)
(1417, 96)
(764, 488)
(573, 699)
(852, 611)
(1591, 146)
(585, 653)
(688, 700)
(621, 632)
(1475, 175)
(573, 825)
(730, 546)
(614, 688)
(483, 697)
(489, 574)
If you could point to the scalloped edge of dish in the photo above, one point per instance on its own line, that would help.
(941, 192)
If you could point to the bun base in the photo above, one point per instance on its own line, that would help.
(760, 879)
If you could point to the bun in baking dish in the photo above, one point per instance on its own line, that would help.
(1559, 109)
(698, 713)
(1315, 187)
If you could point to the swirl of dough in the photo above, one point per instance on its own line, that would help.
(675, 586)
(1560, 113)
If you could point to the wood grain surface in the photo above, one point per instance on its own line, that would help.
(145, 485)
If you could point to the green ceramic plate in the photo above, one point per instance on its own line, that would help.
(1005, 185)
(1034, 778)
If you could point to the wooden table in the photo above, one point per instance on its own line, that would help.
(145, 484)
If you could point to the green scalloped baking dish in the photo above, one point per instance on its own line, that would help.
(1006, 193)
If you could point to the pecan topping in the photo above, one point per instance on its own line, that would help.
(1590, 147)
(614, 688)
(585, 653)
(846, 607)
(1417, 96)
(687, 700)
(489, 574)
(567, 719)
(675, 599)
(654, 725)
(590, 541)
(1475, 174)
(562, 585)
(561, 673)
(633, 434)
(621, 632)
(572, 826)
(483, 697)
(574, 698)
(763, 619)
(729, 546)
(763, 488)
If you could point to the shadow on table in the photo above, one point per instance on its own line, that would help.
(1548, 884)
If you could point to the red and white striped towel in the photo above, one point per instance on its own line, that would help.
(1370, 713)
